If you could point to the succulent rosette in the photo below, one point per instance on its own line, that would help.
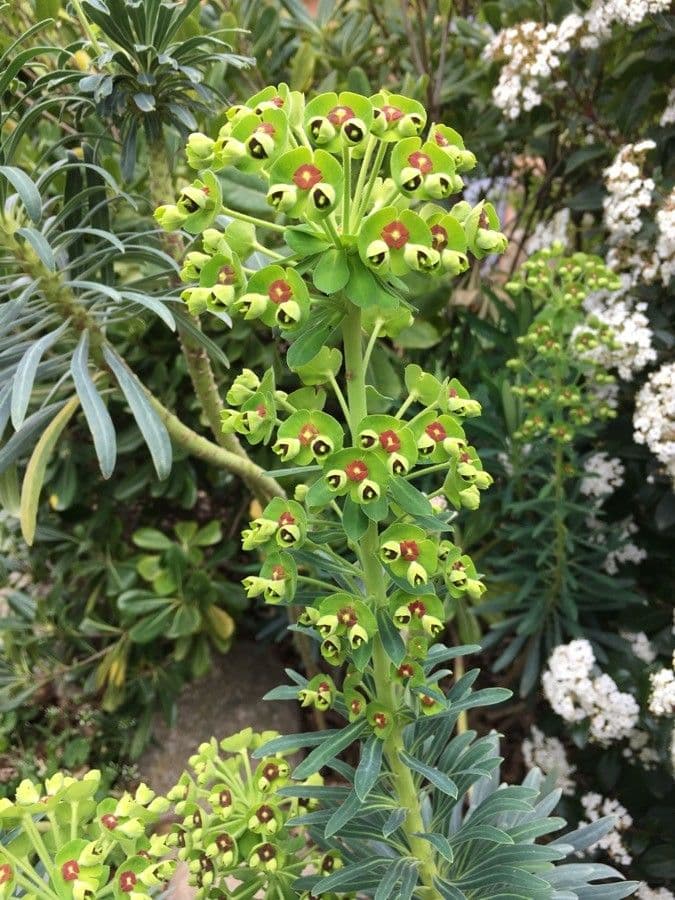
(409, 554)
(396, 117)
(423, 170)
(334, 121)
(360, 474)
(308, 436)
(305, 182)
(452, 144)
(397, 241)
(391, 440)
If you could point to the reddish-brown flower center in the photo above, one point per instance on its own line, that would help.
(465, 458)
(426, 700)
(417, 608)
(261, 409)
(356, 470)
(278, 573)
(483, 221)
(271, 771)
(355, 707)
(278, 101)
(287, 518)
(324, 688)
(306, 176)
(390, 441)
(380, 720)
(6, 873)
(391, 113)
(436, 432)
(109, 821)
(70, 870)
(452, 392)
(409, 550)
(266, 128)
(279, 291)
(264, 814)
(340, 114)
(224, 842)
(347, 616)
(267, 852)
(395, 235)
(421, 161)
(405, 670)
(128, 881)
(458, 565)
(227, 275)
(307, 434)
(439, 237)
(440, 140)
(225, 798)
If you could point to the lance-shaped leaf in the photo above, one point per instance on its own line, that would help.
(24, 376)
(95, 411)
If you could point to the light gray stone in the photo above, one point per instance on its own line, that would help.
(224, 701)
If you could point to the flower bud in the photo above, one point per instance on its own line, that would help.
(287, 448)
(402, 616)
(432, 625)
(410, 125)
(327, 625)
(323, 197)
(169, 217)
(377, 255)
(416, 574)
(438, 185)
(357, 635)
(331, 650)
(483, 480)
(491, 241)
(199, 150)
(282, 196)
(193, 264)
(475, 588)
(288, 314)
(470, 497)
(321, 130)
(453, 262)
(420, 258)
(411, 179)
(252, 306)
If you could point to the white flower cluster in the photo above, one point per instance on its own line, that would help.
(662, 696)
(668, 114)
(640, 645)
(555, 231)
(605, 13)
(654, 416)
(603, 475)
(638, 750)
(632, 346)
(644, 892)
(576, 694)
(662, 263)
(597, 806)
(627, 551)
(548, 754)
(531, 54)
(628, 191)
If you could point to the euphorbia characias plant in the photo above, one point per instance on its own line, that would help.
(363, 191)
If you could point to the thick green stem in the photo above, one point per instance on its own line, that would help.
(403, 784)
(196, 357)
(198, 446)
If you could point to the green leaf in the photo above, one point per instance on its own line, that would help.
(419, 336)
(354, 522)
(364, 290)
(41, 245)
(208, 535)
(409, 498)
(305, 242)
(332, 271)
(440, 842)
(431, 773)
(329, 749)
(37, 466)
(390, 637)
(395, 820)
(307, 344)
(290, 743)
(343, 814)
(94, 409)
(368, 768)
(150, 425)
(151, 539)
(22, 382)
(186, 621)
(151, 626)
(22, 439)
(29, 194)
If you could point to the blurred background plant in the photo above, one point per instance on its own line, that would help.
(570, 106)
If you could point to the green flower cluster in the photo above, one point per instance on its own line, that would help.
(63, 845)
(306, 152)
(562, 386)
(233, 831)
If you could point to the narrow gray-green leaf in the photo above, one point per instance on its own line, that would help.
(431, 773)
(151, 426)
(343, 814)
(23, 438)
(395, 820)
(41, 245)
(440, 842)
(22, 385)
(153, 304)
(368, 768)
(95, 411)
(328, 750)
(29, 194)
